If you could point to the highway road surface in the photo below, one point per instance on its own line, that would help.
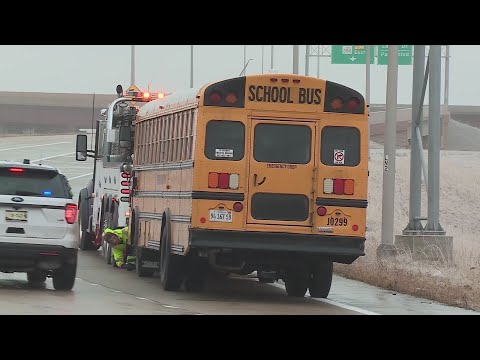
(102, 289)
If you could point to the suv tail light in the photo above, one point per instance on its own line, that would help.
(71, 211)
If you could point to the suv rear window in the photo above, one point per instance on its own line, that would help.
(32, 182)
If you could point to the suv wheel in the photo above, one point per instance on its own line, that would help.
(64, 278)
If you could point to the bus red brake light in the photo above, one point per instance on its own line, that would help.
(71, 211)
(237, 207)
(223, 180)
(338, 186)
(337, 103)
(215, 98)
(353, 104)
(16, 170)
(321, 211)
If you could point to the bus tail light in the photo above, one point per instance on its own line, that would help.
(213, 180)
(125, 191)
(237, 207)
(321, 211)
(327, 186)
(234, 181)
(355, 227)
(126, 175)
(348, 188)
(71, 211)
(223, 181)
(338, 186)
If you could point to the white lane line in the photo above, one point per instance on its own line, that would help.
(79, 176)
(32, 146)
(54, 156)
(170, 306)
(335, 303)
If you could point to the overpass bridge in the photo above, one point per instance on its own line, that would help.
(67, 113)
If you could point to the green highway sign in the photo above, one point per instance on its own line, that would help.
(351, 54)
(404, 55)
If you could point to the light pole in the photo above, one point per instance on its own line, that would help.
(132, 65)
(191, 66)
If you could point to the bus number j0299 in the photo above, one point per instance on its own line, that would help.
(337, 221)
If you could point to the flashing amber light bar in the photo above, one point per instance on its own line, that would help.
(143, 96)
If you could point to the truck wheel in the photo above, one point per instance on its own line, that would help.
(321, 279)
(86, 238)
(64, 278)
(296, 282)
(171, 266)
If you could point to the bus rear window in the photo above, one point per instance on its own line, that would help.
(278, 143)
(340, 146)
(225, 140)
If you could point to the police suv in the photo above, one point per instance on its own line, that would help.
(39, 232)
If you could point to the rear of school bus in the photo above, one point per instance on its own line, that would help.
(280, 179)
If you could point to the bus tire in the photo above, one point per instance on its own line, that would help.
(171, 266)
(86, 238)
(195, 278)
(296, 282)
(321, 279)
(141, 271)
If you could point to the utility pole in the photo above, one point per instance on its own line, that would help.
(132, 65)
(191, 66)
(386, 246)
(271, 58)
(367, 91)
(433, 222)
(296, 51)
(307, 53)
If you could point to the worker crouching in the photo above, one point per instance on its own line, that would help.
(118, 238)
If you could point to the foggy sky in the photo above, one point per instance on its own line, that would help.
(99, 68)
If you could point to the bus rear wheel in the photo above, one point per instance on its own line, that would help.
(171, 269)
(321, 279)
(296, 281)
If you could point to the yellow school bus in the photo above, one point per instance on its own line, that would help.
(261, 173)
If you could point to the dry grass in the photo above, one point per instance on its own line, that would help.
(454, 283)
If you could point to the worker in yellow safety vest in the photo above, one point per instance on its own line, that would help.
(118, 238)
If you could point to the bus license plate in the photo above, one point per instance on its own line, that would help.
(15, 215)
(220, 216)
(337, 221)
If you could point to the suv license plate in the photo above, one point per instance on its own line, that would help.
(15, 215)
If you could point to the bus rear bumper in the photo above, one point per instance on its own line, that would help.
(342, 249)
